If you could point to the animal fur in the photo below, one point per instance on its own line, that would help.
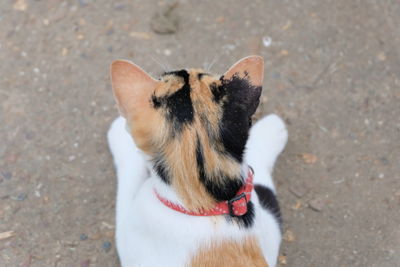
(191, 143)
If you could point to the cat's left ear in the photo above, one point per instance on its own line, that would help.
(132, 88)
(244, 79)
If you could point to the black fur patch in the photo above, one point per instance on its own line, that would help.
(180, 73)
(159, 167)
(225, 190)
(200, 75)
(238, 107)
(218, 92)
(179, 107)
(247, 219)
(268, 201)
(156, 101)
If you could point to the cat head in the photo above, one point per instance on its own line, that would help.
(188, 119)
(159, 111)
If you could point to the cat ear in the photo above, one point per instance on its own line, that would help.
(132, 88)
(250, 68)
(244, 82)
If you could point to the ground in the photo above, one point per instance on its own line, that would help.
(332, 72)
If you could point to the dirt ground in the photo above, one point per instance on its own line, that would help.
(332, 72)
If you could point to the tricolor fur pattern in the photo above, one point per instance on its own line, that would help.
(192, 142)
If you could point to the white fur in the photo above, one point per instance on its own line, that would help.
(149, 234)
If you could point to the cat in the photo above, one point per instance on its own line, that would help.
(183, 148)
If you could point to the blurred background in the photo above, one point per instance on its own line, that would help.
(332, 72)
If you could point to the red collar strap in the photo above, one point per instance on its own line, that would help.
(236, 206)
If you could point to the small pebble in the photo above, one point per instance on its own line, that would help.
(82, 3)
(64, 51)
(167, 52)
(142, 36)
(297, 205)
(282, 260)
(220, 19)
(316, 204)
(289, 236)
(284, 52)
(384, 160)
(381, 56)
(6, 175)
(309, 158)
(229, 47)
(338, 181)
(298, 190)
(106, 246)
(20, 5)
(21, 197)
(29, 135)
(267, 41)
(276, 75)
(119, 6)
(83, 237)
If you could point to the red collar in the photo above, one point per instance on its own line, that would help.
(236, 206)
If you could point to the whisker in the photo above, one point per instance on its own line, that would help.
(205, 64)
(213, 62)
(216, 58)
(163, 66)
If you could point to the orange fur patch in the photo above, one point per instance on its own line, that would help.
(181, 160)
(230, 253)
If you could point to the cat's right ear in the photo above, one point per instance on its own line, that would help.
(132, 88)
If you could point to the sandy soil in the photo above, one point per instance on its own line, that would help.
(332, 72)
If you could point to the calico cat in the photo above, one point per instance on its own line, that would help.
(194, 178)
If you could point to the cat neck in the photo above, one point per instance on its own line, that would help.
(197, 197)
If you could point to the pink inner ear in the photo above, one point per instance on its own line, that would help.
(132, 87)
(252, 65)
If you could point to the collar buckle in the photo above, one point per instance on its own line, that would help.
(238, 205)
